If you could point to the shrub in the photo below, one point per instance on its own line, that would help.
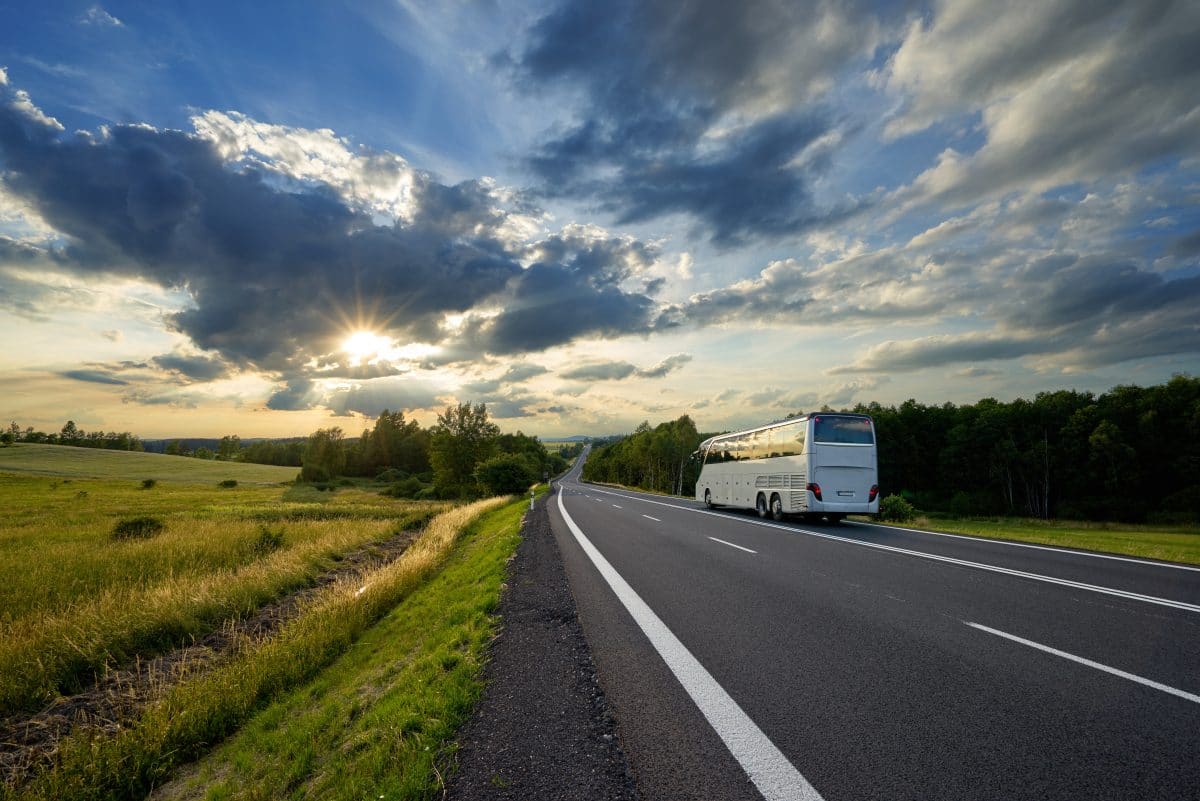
(408, 488)
(229, 482)
(390, 475)
(268, 540)
(896, 509)
(506, 474)
(960, 504)
(427, 494)
(149, 483)
(137, 528)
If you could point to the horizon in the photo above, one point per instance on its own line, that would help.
(276, 222)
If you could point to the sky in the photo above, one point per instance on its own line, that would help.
(264, 218)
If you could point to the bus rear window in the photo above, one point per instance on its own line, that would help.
(843, 430)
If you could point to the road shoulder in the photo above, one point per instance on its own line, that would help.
(542, 729)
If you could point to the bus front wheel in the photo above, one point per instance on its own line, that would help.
(761, 506)
(708, 499)
(776, 508)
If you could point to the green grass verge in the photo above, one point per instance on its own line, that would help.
(198, 712)
(380, 722)
(70, 462)
(1168, 543)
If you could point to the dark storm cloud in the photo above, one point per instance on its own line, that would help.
(94, 377)
(661, 84)
(196, 368)
(278, 271)
(553, 303)
(513, 375)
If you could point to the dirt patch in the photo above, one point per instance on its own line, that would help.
(28, 742)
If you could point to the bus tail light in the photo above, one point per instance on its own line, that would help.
(873, 493)
(815, 489)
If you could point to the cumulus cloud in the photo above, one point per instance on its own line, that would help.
(277, 237)
(1067, 90)
(617, 370)
(195, 367)
(709, 109)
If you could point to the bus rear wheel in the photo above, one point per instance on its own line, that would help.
(776, 508)
(761, 506)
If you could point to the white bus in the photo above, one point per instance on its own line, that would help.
(819, 465)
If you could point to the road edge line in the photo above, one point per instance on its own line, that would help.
(766, 766)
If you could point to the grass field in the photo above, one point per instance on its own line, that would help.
(73, 599)
(64, 461)
(1168, 543)
(199, 711)
(359, 690)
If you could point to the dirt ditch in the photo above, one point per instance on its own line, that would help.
(30, 741)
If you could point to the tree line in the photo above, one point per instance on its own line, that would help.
(463, 456)
(71, 434)
(1130, 454)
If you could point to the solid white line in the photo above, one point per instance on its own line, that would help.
(655, 519)
(1195, 699)
(1079, 585)
(731, 545)
(774, 776)
(989, 541)
(618, 507)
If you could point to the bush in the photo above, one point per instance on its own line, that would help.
(960, 504)
(427, 494)
(506, 474)
(140, 528)
(149, 483)
(408, 488)
(390, 475)
(229, 482)
(267, 541)
(896, 509)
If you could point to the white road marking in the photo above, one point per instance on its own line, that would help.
(655, 519)
(618, 507)
(1079, 585)
(989, 541)
(731, 545)
(597, 500)
(1195, 699)
(774, 776)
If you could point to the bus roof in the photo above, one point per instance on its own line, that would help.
(777, 424)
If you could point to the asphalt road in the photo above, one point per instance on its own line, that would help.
(746, 659)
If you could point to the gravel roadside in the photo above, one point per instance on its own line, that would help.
(542, 729)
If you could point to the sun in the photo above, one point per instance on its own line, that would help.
(364, 345)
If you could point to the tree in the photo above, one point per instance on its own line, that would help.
(69, 434)
(462, 438)
(176, 448)
(506, 474)
(230, 447)
(324, 456)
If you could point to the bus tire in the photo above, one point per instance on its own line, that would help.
(836, 518)
(761, 505)
(708, 499)
(776, 508)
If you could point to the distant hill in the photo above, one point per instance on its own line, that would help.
(70, 462)
(576, 438)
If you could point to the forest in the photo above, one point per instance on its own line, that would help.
(1129, 454)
